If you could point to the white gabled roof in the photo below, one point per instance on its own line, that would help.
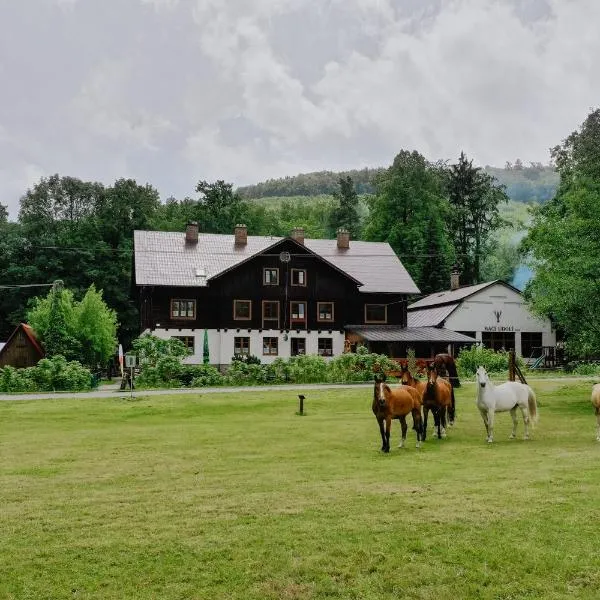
(455, 296)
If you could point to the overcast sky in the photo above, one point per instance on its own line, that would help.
(173, 91)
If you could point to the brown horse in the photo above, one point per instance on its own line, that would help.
(391, 404)
(420, 387)
(437, 397)
(444, 363)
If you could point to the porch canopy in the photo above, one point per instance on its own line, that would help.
(395, 341)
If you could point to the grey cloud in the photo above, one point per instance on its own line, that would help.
(171, 91)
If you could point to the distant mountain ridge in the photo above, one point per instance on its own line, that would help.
(537, 183)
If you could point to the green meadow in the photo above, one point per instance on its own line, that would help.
(235, 496)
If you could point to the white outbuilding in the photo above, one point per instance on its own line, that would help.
(494, 313)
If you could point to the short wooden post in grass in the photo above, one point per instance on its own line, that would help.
(301, 398)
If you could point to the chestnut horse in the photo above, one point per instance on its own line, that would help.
(420, 386)
(444, 363)
(391, 404)
(596, 403)
(439, 398)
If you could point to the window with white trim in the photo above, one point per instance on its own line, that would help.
(183, 309)
(241, 346)
(299, 277)
(325, 311)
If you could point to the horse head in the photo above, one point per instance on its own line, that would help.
(406, 376)
(432, 375)
(482, 376)
(380, 390)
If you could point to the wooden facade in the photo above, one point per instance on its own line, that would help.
(22, 349)
(306, 293)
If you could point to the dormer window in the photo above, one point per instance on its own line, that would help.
(270, 276)
(299, 277)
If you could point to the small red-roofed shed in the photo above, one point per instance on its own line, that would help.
(22, 349)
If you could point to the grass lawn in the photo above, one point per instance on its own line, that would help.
(235, 496)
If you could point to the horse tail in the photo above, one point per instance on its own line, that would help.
(452, 405)
(453, 373)
(531, 401)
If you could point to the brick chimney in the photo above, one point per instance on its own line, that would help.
(455, 278)
(241, 235)
(343, 239)
(298, 234)
(191, 232)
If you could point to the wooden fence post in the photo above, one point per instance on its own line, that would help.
(511, 365)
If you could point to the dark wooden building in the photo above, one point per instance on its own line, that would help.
(22, 349)
(267, 296)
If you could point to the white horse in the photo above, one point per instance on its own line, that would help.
(596, 403)
(501, 398)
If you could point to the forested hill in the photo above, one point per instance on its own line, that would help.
(536, 183)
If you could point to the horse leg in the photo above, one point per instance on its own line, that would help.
(525, 413)
(490, 424)
(598, 425)
(452, 409)
(443, 421)
(404, 430)
(418, 425)
(382, 432)
(424, 424)
(484, 416)
(388, 429)
(513, 414)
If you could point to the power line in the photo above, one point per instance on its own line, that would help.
(25, 285)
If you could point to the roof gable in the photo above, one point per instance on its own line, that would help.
(163, 259)
(455, 296)
(29, 336)
(298, 247)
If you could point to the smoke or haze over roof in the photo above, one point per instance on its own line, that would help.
(173, 91)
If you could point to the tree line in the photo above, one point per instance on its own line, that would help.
(81, 232)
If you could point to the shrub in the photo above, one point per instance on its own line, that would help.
(203, 375)
(361, 366)
(50, 374)
(307, 368)
(243, 373)
(584, 368)
(493, 362)
(247, 359)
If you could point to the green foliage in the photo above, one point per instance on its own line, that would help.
(3, 214)
(493, 362)
(247, 359)
(54, 321)
(587, 368)
(219, 208)
(361, 366)
(308, 368)
(474, 199)
(564, 244)
(406, 212)
(345, 213)
(50, 374)
(83, 330)
(150, 349)
(311, 184)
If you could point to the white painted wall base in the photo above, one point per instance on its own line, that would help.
(221, 342)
